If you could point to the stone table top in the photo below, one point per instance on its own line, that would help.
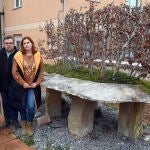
(103, 92)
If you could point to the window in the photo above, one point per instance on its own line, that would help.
(133, 3)
(94, 1)
(17, 3)
(18, 38)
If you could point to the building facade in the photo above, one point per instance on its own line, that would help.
(23, 17)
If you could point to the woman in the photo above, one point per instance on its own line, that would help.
(27, 71)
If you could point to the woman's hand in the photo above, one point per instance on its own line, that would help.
(26, 85)
(33, 85)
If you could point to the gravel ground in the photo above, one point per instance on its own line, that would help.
(55, 136)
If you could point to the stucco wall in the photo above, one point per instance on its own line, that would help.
(31, 11)
(26, 20)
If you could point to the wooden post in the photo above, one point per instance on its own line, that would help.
(80, 119)
(53, 102)
(130, 119)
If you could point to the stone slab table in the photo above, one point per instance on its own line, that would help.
(84, 96)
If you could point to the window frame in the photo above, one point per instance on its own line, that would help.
(19, 3)
(129, 3)
(17, 38)
(97, 1)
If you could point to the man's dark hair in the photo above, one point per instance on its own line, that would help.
(8, 37)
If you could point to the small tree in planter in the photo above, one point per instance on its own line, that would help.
(115, 36)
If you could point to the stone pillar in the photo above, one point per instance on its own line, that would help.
(130, 119)
(53, 102)
(80, 119)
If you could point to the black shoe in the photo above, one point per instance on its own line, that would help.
(16, 124)
(7, 124)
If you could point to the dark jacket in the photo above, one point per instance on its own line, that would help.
(5, 69)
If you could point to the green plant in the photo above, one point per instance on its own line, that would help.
(29, 141)
(59, 148)
(114, 106)
(145, 125)
(66, 94)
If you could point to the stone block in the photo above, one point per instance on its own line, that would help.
(53, 102)
(130, 119)
(80, 119)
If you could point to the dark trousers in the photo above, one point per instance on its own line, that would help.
(10, 113)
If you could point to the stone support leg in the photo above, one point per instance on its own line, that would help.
(130, 119)
(80, 119)
(52, 106)
(53, 102)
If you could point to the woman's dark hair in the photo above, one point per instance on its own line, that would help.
(34, 50)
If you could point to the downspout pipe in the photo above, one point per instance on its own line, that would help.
(1, 28)
(63, 10)
(1, 22)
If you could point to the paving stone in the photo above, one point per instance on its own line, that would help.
(15, 144)
(6, 135)
(8, 141)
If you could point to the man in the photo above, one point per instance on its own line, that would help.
(6, 58)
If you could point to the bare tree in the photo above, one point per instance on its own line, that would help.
(115, 36)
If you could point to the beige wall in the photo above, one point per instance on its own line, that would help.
(145, 2)
(26, 20)
(31, 11)
(1, 5)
